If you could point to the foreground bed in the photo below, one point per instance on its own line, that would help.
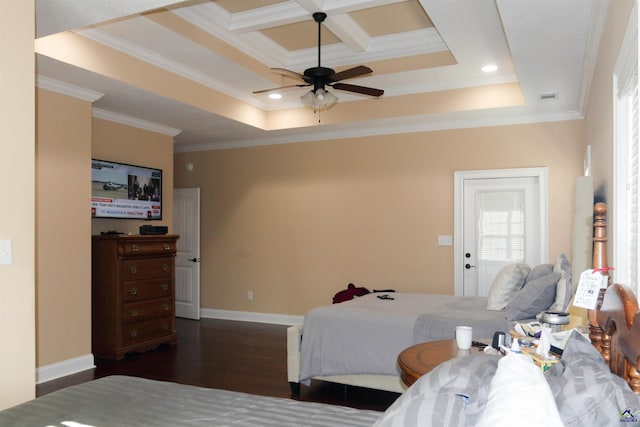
(129, 401)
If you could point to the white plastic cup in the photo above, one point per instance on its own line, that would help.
(463, 337)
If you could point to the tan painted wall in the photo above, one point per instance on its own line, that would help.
(599, 115)
(295, 223)
(17, 201)
(63, 191)
(126, 144)
(68, 137)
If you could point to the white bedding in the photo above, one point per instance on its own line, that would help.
(366, 334)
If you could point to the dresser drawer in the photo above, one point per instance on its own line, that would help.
(135, 269)
(140, 290)
(139, 311)
(136, 333)
(144, 248)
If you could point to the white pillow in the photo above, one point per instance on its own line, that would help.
(564, 289)
(519, 395)
(508, 281)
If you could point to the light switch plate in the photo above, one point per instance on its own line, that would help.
(6, 254)
(445, 241)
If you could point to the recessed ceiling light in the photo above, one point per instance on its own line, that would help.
(489, 68)
(275, 96)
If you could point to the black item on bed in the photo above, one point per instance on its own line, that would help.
(350, 293)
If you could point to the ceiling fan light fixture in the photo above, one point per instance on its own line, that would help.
(319, 99)
(320, 77)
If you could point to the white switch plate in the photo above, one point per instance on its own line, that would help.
(445, 241)
(6, 254)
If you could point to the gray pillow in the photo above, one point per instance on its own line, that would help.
(536, 296)
(539, 271)
(585, 390)
(453, 394)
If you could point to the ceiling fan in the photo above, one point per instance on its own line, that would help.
(320, 77)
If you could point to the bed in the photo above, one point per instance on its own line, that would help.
(584, 388)
(356, 342)
(379, 329)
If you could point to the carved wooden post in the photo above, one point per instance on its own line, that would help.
(598, 338)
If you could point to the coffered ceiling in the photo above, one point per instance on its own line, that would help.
(191, 68)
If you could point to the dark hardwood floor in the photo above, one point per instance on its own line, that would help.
(231, 355)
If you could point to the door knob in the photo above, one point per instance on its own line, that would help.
(194, 259)
(468, 266)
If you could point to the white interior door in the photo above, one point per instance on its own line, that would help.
(502, 220)
(186, 223)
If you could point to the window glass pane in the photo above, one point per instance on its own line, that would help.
(501, 227)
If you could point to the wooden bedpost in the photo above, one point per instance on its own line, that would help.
(599, 339)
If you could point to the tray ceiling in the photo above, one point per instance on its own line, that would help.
(190, 68)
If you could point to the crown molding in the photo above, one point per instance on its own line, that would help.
(599, 16)
(99, 113)
(418, 124)
(67, 89)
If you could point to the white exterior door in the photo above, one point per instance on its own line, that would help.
(502, 220)
(186, 223)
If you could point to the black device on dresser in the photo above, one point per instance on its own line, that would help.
(151, 230)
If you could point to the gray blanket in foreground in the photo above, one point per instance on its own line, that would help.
(366, 334)
(129, 401)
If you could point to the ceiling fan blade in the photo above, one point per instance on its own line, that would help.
(360, 70)
(359, 89)
(292, 74)
(278, 88)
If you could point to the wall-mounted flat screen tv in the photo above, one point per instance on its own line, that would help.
(119, 190)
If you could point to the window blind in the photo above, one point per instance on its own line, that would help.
(632, 183)
(626, 179)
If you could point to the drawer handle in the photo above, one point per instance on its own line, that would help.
(134, 248)
(164, 326)
(133, 312)
(164, 286)
(164, 267)
(133, 291)
(165, 306)
(133, 333)
(167, 247)
(133, 269)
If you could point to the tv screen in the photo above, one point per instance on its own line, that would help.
(119, 190)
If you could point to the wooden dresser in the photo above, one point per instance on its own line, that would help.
(132, 293)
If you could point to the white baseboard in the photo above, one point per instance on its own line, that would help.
(64, 368)
(248, 316)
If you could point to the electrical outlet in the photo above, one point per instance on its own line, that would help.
(445, 241)
(6, 254)
(250, 295)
